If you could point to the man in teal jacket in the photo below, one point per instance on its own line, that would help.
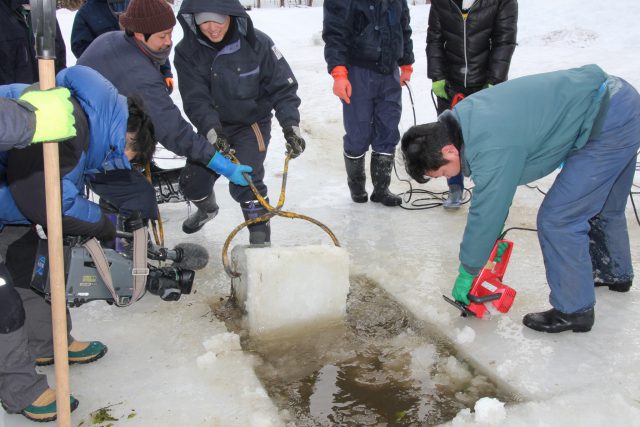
(520, 131)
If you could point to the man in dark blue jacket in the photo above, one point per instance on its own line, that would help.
(365, 43)
(131, 61)
(231, 78)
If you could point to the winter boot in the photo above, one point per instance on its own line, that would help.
(207, 209)
(44, 408)
(553, 321)
(454, 201)
(623, 286)
(260, 233)
(381, 166)
(81, 352)
(356, 178)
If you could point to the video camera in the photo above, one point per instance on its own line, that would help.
(85, 282)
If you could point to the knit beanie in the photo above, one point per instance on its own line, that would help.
(148, 16)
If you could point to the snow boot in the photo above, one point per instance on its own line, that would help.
(260, 233)
(381, 166)
(454, 201)
(356, 178)
(44, 408)
(553, 321)
(207, 209)
(615, 286)
(80, 352)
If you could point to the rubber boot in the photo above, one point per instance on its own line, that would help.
(260, 233)
(207, 209)
(454, 201)
(356, 178)
(381, 166)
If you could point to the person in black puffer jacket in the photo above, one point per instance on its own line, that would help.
(469, 48)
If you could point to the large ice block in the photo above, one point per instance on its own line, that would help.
(282, 287)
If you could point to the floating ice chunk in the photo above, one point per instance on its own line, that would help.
(465, 335)
(489, 411)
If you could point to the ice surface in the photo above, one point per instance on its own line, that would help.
(283, 287)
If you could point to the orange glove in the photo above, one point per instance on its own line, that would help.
(341, 85)
(405, 73)
(169, 82)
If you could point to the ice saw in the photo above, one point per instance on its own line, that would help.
(488, 293)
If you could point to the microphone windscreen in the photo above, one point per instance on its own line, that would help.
(195, 257)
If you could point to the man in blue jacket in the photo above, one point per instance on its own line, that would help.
(523, 130)
(369, 54)
(231, 78)
(110, 132)
(131, 61)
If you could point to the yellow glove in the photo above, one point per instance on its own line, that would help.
(54, 114)
(438, 89)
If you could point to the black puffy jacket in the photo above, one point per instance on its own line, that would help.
(370, 34)
(18, 63)
(475, 51)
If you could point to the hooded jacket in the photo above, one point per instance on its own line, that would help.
(239, 84)
(518, 132)
(370, 34)
(18, 63)
(101, 121)
(475, 50)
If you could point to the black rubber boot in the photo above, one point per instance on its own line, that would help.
(381, 167)
(260, 233)
(206, 210)
(356, 178)
(553, 321)
(615, 286)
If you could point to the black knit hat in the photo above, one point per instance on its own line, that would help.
(148, 16)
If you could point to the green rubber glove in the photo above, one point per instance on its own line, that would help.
(462, 286)
(501, 248)
(54, 114)
(438, 89)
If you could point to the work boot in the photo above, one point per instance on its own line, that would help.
(454, 201)
(553, 321)
(260, 233)
(381, 167)
(356, 178)
(80, 352)
(615, 286)
(207, 209)
(44, 409)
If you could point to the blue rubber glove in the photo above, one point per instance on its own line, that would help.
(226, 167)
(462, 286)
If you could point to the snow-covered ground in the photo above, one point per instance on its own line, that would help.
(174, 364)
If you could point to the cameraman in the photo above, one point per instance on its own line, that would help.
(111, 132)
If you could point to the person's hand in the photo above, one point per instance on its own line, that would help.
(54, 114)
(405, 73)
(502, 247)
(234, 172)
(438, 88)
(341, 84)
(295, 143)
(220, 142)
(462, 286)
(168, 81)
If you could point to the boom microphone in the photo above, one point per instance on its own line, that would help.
(191, 256)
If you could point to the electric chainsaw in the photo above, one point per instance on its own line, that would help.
(488, 293)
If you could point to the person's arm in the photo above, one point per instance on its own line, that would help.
(436, 57)
(81, 35)
(503, 42)
(17, 124)
(335, 33)
(407, 52)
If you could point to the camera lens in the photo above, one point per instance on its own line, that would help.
(170, 282)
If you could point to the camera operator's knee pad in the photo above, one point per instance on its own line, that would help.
(260, 233)
(11, 310)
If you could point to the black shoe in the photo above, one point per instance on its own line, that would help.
(356, 178)
(553, 321)
(617, 287)
(381, 167)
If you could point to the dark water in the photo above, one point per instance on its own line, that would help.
(381, 367)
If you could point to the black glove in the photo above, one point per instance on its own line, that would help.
(295, 144)
(220, 142)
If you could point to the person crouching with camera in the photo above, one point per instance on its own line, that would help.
(110, 132)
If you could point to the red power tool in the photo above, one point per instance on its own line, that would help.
(487, 287)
